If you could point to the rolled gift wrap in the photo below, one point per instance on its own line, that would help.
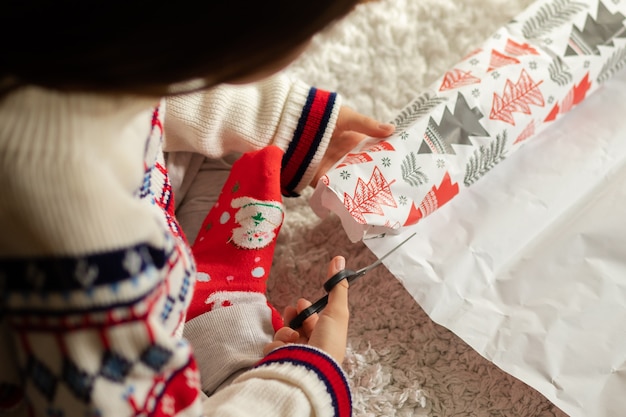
(526, 75)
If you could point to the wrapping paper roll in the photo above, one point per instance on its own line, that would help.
(501, 95)
(528, 265)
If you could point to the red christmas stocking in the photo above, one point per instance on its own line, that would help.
(235, 245)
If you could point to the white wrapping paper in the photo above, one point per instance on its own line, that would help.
(512, 171)
(529, 266)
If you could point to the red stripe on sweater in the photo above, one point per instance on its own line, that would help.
(324, 367)
(313, 120)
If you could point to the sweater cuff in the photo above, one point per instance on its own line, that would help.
(229, 339)
(312, 370)
(311, 136)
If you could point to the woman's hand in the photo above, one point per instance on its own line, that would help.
(328, 330)
(351, 128)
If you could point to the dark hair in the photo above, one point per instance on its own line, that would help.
(146, 46)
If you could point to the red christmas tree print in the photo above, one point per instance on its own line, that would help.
(517, 97)
(581, 89)
(457, 78)
(553, 113)
(392, 226)
(383, 145)
(436, 197)
(519, 49)
(498, 60)
(526, 133)
(576, 94)
(354, 158)
(472, 53)
(574, 97)
(370, 197)
(362, 157)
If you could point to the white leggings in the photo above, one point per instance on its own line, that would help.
(196, 183)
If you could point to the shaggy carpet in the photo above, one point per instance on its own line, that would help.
(399, 362)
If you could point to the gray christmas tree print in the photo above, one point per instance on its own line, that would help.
(417, 109)
(550, 16)
(600, 31)
(455, 128)
(485, 158)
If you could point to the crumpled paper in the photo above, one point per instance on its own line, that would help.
(517, 156)
(527, 75)
(528, 267)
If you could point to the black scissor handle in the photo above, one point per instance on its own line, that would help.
(337, 278)
(321, 303)
(316, 307)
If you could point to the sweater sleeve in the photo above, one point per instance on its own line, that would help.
(280, 111)
(95, 279)
(294, 380)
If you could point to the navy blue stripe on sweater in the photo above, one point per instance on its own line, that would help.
(324, 368)
(307, 137)
(67, 273)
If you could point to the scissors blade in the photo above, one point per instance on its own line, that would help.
(319, 305)
(373, 265)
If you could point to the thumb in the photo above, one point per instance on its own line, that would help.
(331, 331)
(337, 307)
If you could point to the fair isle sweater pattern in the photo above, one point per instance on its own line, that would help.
(97, 335)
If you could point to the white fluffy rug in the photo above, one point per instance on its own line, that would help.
(400, 363)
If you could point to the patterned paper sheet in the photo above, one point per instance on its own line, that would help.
(528, 74)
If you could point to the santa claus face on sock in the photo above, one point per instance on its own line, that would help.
(258, 220)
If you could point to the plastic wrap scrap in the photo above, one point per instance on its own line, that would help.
(529, 73)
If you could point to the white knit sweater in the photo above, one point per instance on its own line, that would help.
(95, 275)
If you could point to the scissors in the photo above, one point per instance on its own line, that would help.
(348, 274)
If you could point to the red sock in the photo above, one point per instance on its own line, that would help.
(235, 245)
